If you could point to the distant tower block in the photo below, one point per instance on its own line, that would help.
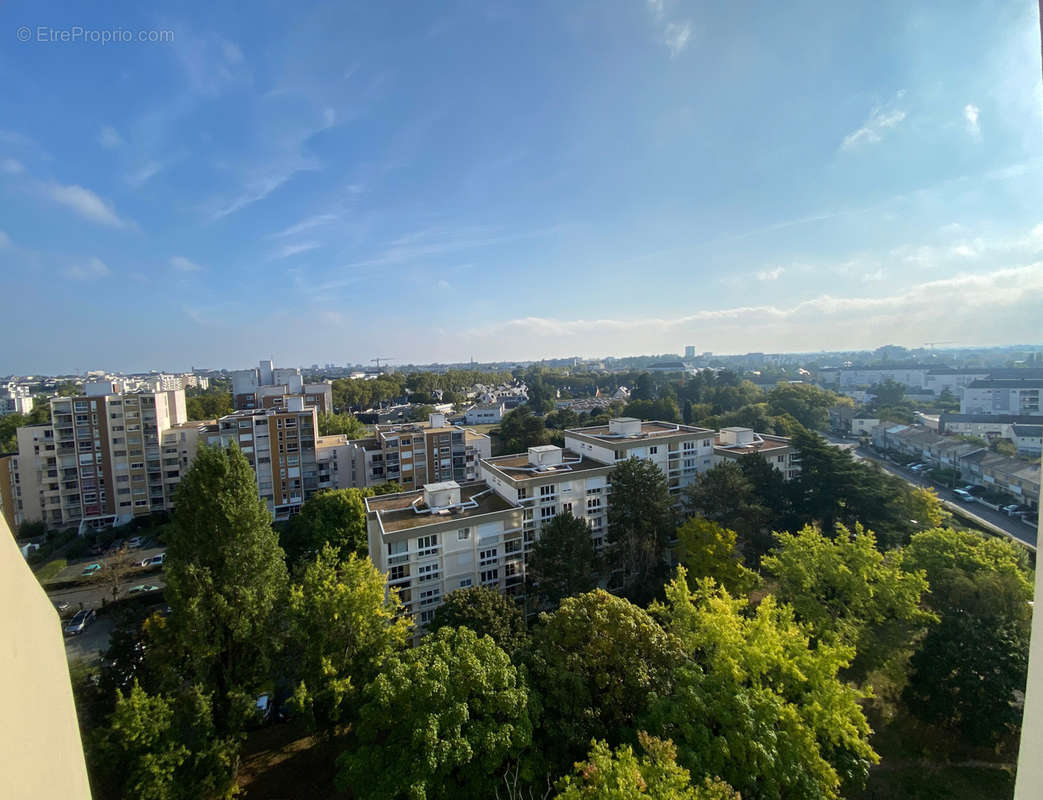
(689, 351)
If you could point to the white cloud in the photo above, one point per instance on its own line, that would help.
(880, 121)
(444, 284)
(11, 166)
(87, 204)
(878, 275)
(295, 248)
(677, 36)
(770, 274)
(91, 270)
(144, 174)
(304, 225)
(109, 138)
(5, 240)
(232, 53)
(971, 113)
(184, 265)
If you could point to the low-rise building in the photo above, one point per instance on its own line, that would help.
(1028, 439)
(490, 414)
(733, 443)
(1009, 396)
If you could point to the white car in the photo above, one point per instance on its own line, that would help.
(966, 497)
(154, 561)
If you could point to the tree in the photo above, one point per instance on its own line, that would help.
(755, 703)
(226, 581)
(346, 424)
(440, 721)
(209, 404)
(806, 403)
(621, 775)
(519, 430)
(563, 562)
(597, 661)
(640, 525)
(486, 612)
(888, 393)
(708, 550)
(848, 592)
(644, 390)
(336, 517)
(965, 674)
(114, 570)
(663, 409)
(420, 413)
(1005, 447)
(343, 627)
(160, 747)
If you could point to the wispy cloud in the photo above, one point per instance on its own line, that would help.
(970, 114)
(90, 270)
(182, 264)
(5, 240)
(109, 138)
(144, 174)
(11, 166)
(305, 225)
(877, 275)
(676, 37)
(880, 121)
(86, 204)
(296, 248)
(770, 274)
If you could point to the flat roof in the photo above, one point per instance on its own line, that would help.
(765, 443)
(649, 430)
(516, 467)
(396, 511)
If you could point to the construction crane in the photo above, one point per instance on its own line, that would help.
(932, 344)
(385, 360)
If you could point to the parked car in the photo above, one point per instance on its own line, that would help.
(965, 496)
(1010, 510)
(141, 588)
(62, 607)
(919, 467)
(154, 561)
(136, 541)
(79, 623)
(90, 569)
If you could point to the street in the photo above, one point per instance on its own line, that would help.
(1011, 526)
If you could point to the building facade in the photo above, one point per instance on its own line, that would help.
(731, 444)
(269, 387)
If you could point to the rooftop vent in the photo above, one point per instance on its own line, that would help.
(545, 455)
(734, 436)
(441, 495)
(625, 426)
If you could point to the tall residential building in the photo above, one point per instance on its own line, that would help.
(15, 399)
(268, 387)
(689, 351)
(102, 459)
(448, 535)
(1014, 396)
(280, 444)
(415, 454)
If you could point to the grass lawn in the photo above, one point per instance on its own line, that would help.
(50, 570)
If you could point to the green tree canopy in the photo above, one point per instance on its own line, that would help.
(621, 775)
(485, 611)
(707, 550)
(807, 404)
(849, 592)
(641, 522)
(336, 517)
(440, 721)
(347, 424)
(756, 704)
(520, 429)
(597, 662)
(563, 562)
(160, 747)
(226, 580)
(343, 627)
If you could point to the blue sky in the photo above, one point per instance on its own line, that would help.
(440, 181)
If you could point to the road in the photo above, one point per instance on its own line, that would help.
(1012, 526)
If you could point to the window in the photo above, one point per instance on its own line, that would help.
(546, 513)
(780, 459)
(513, 546)
(566, 508)
(490, 575)
(398, 552)
(487, 557)
(465, 582)
(619, 455)
(653, 451)
(427, 545)
(593, 504)
(429, 597)
(547, 491)
(428, 572)
(427, 617)
(463, 534)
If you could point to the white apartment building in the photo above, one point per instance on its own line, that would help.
(491, 414)
(15, 399)
(1013, 396)
(268, 387)
(731, 444)
(449, 535)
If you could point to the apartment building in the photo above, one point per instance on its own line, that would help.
(269, 387)
(280, 444)
(680, 451)
(15, 399)
(731, 444)
(100, 460)
(447, 535)
(1010, 396)
(415, 454)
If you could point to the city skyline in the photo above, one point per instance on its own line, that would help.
(333, 184)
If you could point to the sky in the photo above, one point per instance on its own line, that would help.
(208, 184)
